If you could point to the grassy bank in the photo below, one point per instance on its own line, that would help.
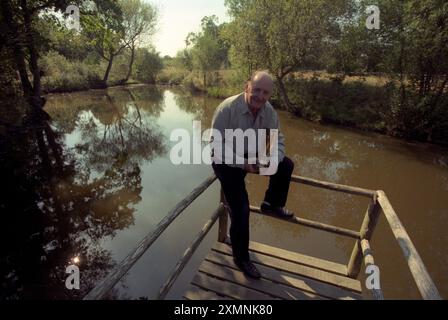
(60, 74)
(366, 102)
(350, 102)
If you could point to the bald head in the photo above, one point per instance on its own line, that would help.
(259, 89)
(262, 76)
(265, 75)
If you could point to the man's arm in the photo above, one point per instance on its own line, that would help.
(275, 124)
(220, 122)
(277, 145)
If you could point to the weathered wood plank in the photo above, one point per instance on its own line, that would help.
(292, 280)
(369, 261)
(227, 288)
(312, 224)
(123, 267)
(333, 186)
(295, 268)
(424, 282)
(298, 258)
(264, 286)
(368, 226)
(196, 293)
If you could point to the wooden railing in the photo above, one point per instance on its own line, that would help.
(361, 251)
(102, 289)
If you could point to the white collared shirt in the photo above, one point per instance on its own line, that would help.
(233, 113)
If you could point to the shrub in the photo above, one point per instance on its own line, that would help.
(148, 65)
(335, 101)
(61, 74)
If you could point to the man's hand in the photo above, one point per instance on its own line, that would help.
(252, 168)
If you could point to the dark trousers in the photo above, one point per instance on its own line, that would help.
(234, 188)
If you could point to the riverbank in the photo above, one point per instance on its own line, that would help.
(361, 102)
(367, 102)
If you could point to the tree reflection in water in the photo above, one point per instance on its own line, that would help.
(58, 203)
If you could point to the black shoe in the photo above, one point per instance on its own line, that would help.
(278, 211)
(248, 268)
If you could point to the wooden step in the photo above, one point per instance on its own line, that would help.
(285, 275)
(195, 293)
(305, 260)
(296, 268)
(304, 284)
(228, 289)
(274, 289)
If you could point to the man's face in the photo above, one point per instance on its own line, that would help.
(258, 92)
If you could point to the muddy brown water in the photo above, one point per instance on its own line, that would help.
(121, 183)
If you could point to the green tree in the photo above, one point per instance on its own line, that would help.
(139, 22)
(411, 46)
(207, 50)
(148, 65)
(423, 66)
(68, 42)
(22, 37)
(282, 36)
(104, 31)
(184, 59)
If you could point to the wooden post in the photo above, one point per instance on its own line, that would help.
(223, 219)
(368, 225)
(369, 261)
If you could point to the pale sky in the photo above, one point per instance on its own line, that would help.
(177, 18)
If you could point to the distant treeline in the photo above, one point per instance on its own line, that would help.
(43, 50)
(329, 65)
(408, 55)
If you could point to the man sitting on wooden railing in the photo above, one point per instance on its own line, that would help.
(248, 111)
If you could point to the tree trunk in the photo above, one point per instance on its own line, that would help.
(19, 56)
(109, 67)
(36, 99)
(130, 63)
(285, 98)
(19, 59)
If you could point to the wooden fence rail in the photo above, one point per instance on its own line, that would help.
(421, 276)
(361, 251)
(189, 252)
(101, 290)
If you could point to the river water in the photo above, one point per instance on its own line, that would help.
(108, 180)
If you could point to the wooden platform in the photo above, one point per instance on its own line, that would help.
(285, 275)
